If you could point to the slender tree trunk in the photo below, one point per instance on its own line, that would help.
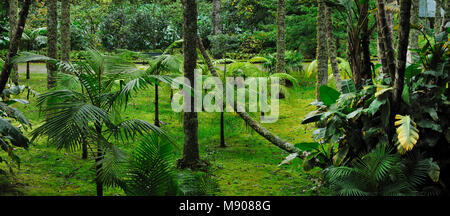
(65, 31)
(437, 16)
(381, 49)
(216, 19)
(99, 157)
(222, 121)
(332, 48)
(52, 40)
(403, 39)
(28, 70)
(13, 10)
(386, 33)
(414, 34)
(14, 45)
(84, 154)
(322, 53)
(156, 106)
(281, 36)
(191, 157)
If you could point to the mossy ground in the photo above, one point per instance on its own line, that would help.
(247, 166)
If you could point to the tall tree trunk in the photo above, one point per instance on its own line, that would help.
(13, 10)
(65, 31)
(403, 39)
(322, 53)
(366, 69)
(414, 35)
(437, 16)
(386, 37)
(281, 36)
(191, 157)
(14, 45)
(52, 40)
(332, 48)
(216, 19)
(381, 49)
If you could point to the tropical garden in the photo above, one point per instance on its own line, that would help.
(359, 91)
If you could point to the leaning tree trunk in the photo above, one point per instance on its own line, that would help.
(322, 56)
(52, 40)
(191, 157)
(216, 19)
(283, 144)
(332, 48)
(13, 8)
(281, 36)
(403, 37)
(14, 45)
(65, 31)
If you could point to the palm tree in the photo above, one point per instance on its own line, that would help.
(165, 64)
(379, 172)
(90, 112)
(34, 40)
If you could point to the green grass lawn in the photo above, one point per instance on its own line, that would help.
(248, 166)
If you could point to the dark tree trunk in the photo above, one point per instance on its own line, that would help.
(281, 36)
(84, 154)
(99, 157)
(14, 45)
(191, 157)
(52, 41)
(386, 34)
(222, 122)
(156, 105)
(403, 39)
(366, 72)
(28, 70)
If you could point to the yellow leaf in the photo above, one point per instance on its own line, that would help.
(407, 133)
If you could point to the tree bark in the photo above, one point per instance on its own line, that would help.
(322, 53)
(386, 33)
(191, 157)
(216, 19)
(13, 10)
(332, 48)
(403, 39)
(52, 40)
(281, 36)
(414, 35)
(65, 31)
(437, 17)
(14, 45)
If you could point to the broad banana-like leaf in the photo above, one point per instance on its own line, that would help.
(407, 133)
(434, 171)
(339, 157)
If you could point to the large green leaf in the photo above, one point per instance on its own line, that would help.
(328, 95)
(348, 86)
